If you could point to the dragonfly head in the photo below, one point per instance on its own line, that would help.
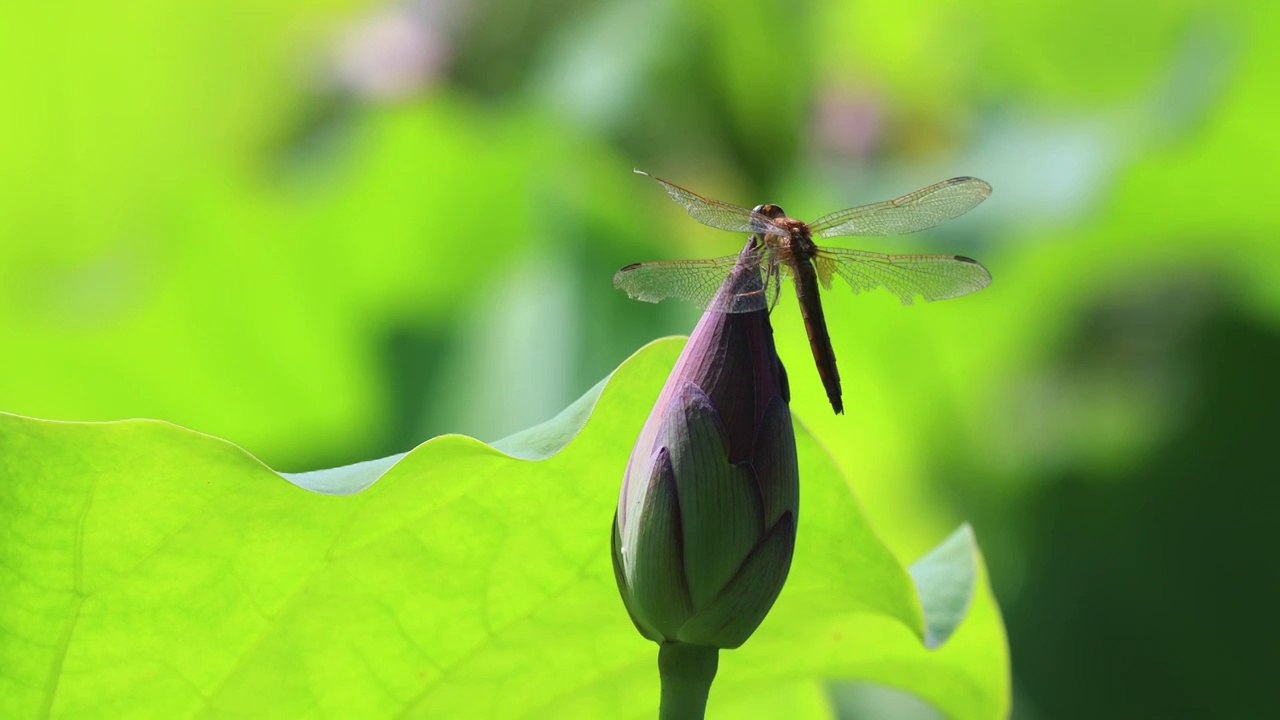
(769, 211)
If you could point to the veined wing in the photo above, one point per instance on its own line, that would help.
(933, 277)
(702, 282)
(717, 214)
(912, 212)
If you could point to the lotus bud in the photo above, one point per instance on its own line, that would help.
(706, 520)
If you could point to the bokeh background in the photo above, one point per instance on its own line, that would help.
(328, 230)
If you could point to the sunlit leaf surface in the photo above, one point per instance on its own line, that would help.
(149, 570)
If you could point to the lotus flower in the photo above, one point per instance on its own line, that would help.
(706, 520)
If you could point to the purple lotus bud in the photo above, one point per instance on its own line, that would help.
(706, 520)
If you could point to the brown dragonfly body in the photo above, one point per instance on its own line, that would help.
(785, 246)
(801, 251)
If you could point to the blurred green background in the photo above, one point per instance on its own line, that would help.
(329, 230)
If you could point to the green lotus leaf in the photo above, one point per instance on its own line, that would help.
(150, 570)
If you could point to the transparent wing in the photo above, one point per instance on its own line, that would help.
(701, 282)
(915, 211)
(934, 277)
(718, 214)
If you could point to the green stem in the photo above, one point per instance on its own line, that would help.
(686, 672)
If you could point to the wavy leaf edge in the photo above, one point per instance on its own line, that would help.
(945, 578)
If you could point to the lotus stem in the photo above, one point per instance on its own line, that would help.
(686, 671)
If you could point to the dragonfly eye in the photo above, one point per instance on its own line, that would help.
(769, 211)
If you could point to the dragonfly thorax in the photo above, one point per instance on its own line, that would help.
(796, 239)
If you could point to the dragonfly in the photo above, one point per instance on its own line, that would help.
(783, 247)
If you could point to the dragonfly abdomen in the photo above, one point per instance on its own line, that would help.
(815, 324)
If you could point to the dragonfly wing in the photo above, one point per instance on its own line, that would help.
(712, 284)
(825, 266)
(910, 213)
(933, 277)
(717, 214)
